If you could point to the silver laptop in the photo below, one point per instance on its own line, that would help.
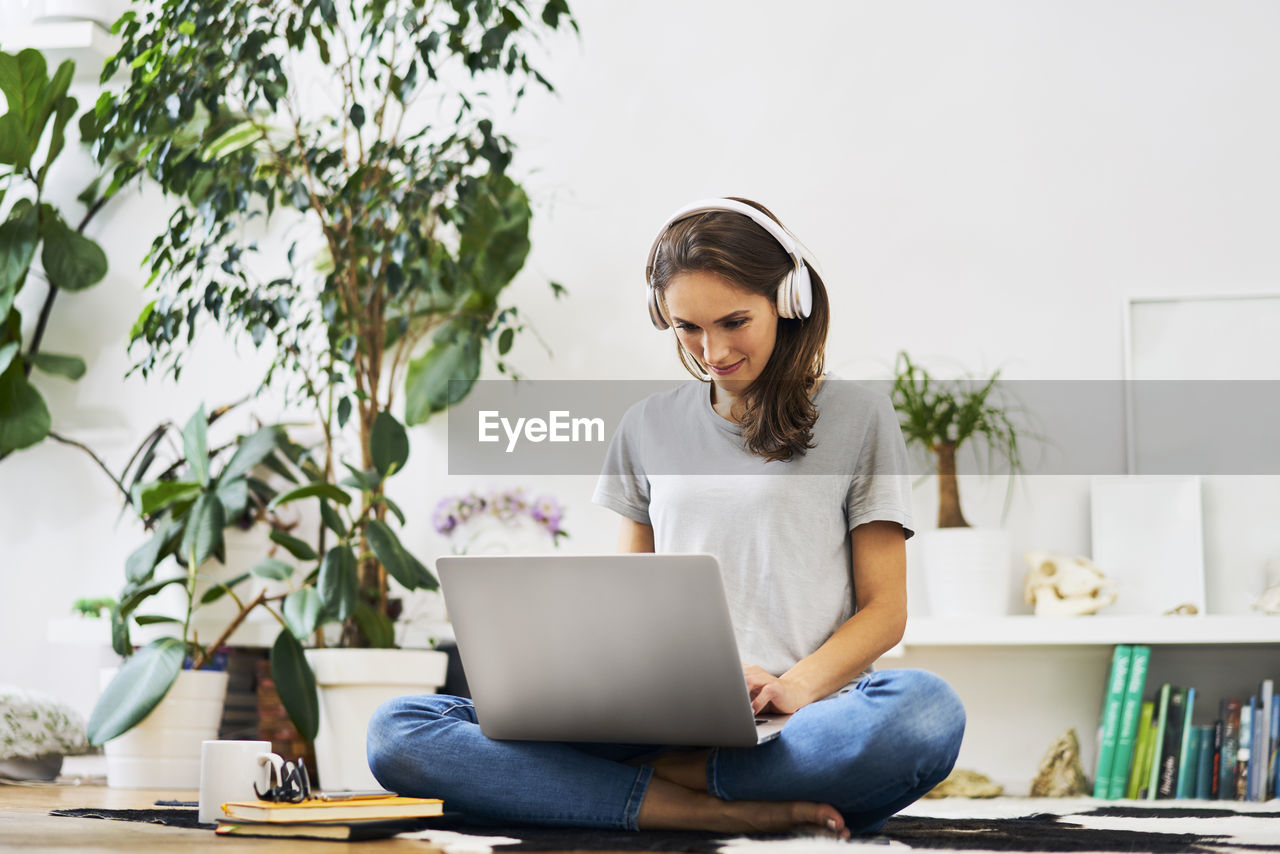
(625, 648)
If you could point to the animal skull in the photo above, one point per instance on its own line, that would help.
(1058, 585)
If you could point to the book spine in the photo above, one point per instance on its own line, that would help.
(1243, 753)
(1186, 786)
(1141, 753)
(1263, 751)
(1255, 747)
(1230, 749)
(1130, 714)
(1117, 683)
(1275, 750)
(1217, 759)
(1171, 744)
(1161, 713)
(1204, 763)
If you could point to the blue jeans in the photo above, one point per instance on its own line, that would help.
(868, 752)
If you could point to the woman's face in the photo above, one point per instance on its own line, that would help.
(729, 331)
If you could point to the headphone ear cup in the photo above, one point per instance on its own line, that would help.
(802, 292)
(786, 306)
(655, 310)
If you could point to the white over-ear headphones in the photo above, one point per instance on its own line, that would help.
(795, 294)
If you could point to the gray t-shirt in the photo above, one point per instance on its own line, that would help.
(780, 530)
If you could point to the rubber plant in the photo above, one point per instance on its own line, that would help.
(36, 240)
(358, 136)
(186, 508)
(939, 417)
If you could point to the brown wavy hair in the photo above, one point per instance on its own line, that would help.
(778, 419)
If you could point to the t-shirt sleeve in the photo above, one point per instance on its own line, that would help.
(623, 486)
(880, 488)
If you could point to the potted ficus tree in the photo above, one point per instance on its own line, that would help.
(967, 569)
(358, 132)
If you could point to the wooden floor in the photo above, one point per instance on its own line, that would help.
(25, 824)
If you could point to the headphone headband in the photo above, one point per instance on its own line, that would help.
(795, 294)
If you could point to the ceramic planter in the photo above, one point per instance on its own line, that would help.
(163, 751)
(967, 571)
(352, 683)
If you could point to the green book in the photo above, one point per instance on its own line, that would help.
(1161, 719)
(1130, 718)
(1112, 701)
(1187, 761)
(1141, 752)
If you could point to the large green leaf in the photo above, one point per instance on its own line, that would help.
(24, 418)
(375, 625)
(58, 365)
(66, 108)
(389, 444)
(494, 234)
(72, 261)
(23, 79)
(339, 581)
(276, 570)
(19, 235)
(234, 495)
(154, 497)
(296, 684)
(142, 561)
(137, 595)
(137, 689)
(195, 444)
(203, 534)
(312, 490)
(251, 451)
(7, 352)
(302, 610)
(300, 549)
(454, 356)
(386, 546)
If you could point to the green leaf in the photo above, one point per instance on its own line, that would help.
(386, 547)
(121, 644)
(19, 235)
(58, 365)
(155, 619)
(296, 684)
(454, 356)
(219, 589)
(339, 581)
(294, 546)
(238, 137)
(137, 689)
(302, 609)
(425, 578)
(24, 417)
(312, 490)
(57, 139)
(142, 561)
(393, 507)
(72, 261)
(135, 597)
(234, 495)
(504, 341)
(204, 524)
(195, 443)
(276, 570)
(375, 625)
(251, 451)
(24, 79)
(333, 519)
(7, 352)
(494, 232)
(389, 444)
(162, 493)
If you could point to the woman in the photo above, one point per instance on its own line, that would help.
(796, 483)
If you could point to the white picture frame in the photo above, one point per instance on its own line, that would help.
(1148, 538)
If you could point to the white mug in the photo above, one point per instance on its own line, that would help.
(230, 769)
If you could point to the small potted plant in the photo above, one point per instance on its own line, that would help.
(967, 569)
(187, 509)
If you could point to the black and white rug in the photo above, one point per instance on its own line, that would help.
(972, 826)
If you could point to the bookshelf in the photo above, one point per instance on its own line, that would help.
(1092, 630)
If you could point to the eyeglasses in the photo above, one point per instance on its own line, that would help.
(294, 784)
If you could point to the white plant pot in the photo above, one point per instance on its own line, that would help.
(163, 750)
(967, 571)
(352, 683)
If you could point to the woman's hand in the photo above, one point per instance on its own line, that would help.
(770, 694)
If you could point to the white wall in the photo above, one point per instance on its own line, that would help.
(983, 182)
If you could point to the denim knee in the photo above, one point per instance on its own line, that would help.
(392, 725)
(932, 726)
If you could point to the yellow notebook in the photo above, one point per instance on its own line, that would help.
(360, 809)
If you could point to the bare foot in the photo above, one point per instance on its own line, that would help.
(669, 806)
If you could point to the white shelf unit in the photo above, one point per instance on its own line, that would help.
(85, 42)
(1095, 630)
